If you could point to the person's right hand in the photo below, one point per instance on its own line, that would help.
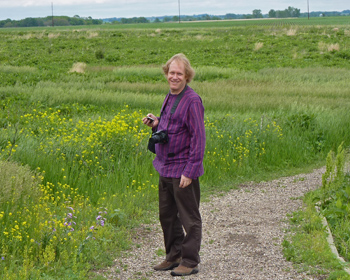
(149, 122)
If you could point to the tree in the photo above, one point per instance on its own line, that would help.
(28, 22)
(293, 12)
(6, 23)
(272, 13)
(257, 13)
(231, 16)
(61, 21)
(76, 20)
(142, 20)
(206, 17)
(290, 12)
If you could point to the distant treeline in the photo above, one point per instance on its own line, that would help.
(76, 20)
(290, 12)
(287, 13)
(50, 21)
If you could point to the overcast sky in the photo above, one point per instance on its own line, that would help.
(20, 9)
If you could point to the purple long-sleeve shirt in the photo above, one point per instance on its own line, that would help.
(184, 152)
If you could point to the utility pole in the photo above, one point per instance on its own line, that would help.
(179, 12)
(308, 10)
(52, 13)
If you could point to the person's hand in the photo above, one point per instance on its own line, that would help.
(185, 181)
(149, 122)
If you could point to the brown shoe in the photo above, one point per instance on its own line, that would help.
(183, 271)
(166, 265)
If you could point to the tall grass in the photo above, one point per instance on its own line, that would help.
(307, 245)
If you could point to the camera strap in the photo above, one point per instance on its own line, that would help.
(177, 101)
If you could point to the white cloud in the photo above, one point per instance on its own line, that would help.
(37, 3)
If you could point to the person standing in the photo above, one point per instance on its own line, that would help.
(179, 163)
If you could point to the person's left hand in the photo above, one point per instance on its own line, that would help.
(185, 181)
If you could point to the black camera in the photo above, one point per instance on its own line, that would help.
(160, 136)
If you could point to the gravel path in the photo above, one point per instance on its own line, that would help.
(242, 234)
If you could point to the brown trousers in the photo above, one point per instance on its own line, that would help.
(179, 211)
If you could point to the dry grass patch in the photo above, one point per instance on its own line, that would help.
(78, 67)
(323, 47)
(258, 46)
(28, 36)
(53, 35)
(291, 32)
(92, 35)
(333, 47)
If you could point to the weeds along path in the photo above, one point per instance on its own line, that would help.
(242, 234)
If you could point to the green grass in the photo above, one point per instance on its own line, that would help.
(306, 246)
(276, 102)
(206, 45)
(306, 242)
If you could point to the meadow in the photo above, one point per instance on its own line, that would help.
(76, 177)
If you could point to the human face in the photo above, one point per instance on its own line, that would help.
(176, 77)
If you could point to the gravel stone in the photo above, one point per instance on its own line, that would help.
(242, 235)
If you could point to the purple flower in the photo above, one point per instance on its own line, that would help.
(102, 222)
(70, 215)
(3, 258)
(71, 229)
(98, 217)
(70, 208)
(92, 227)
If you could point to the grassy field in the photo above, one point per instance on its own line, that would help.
(76, 174)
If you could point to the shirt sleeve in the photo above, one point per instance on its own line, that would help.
(195, 123)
